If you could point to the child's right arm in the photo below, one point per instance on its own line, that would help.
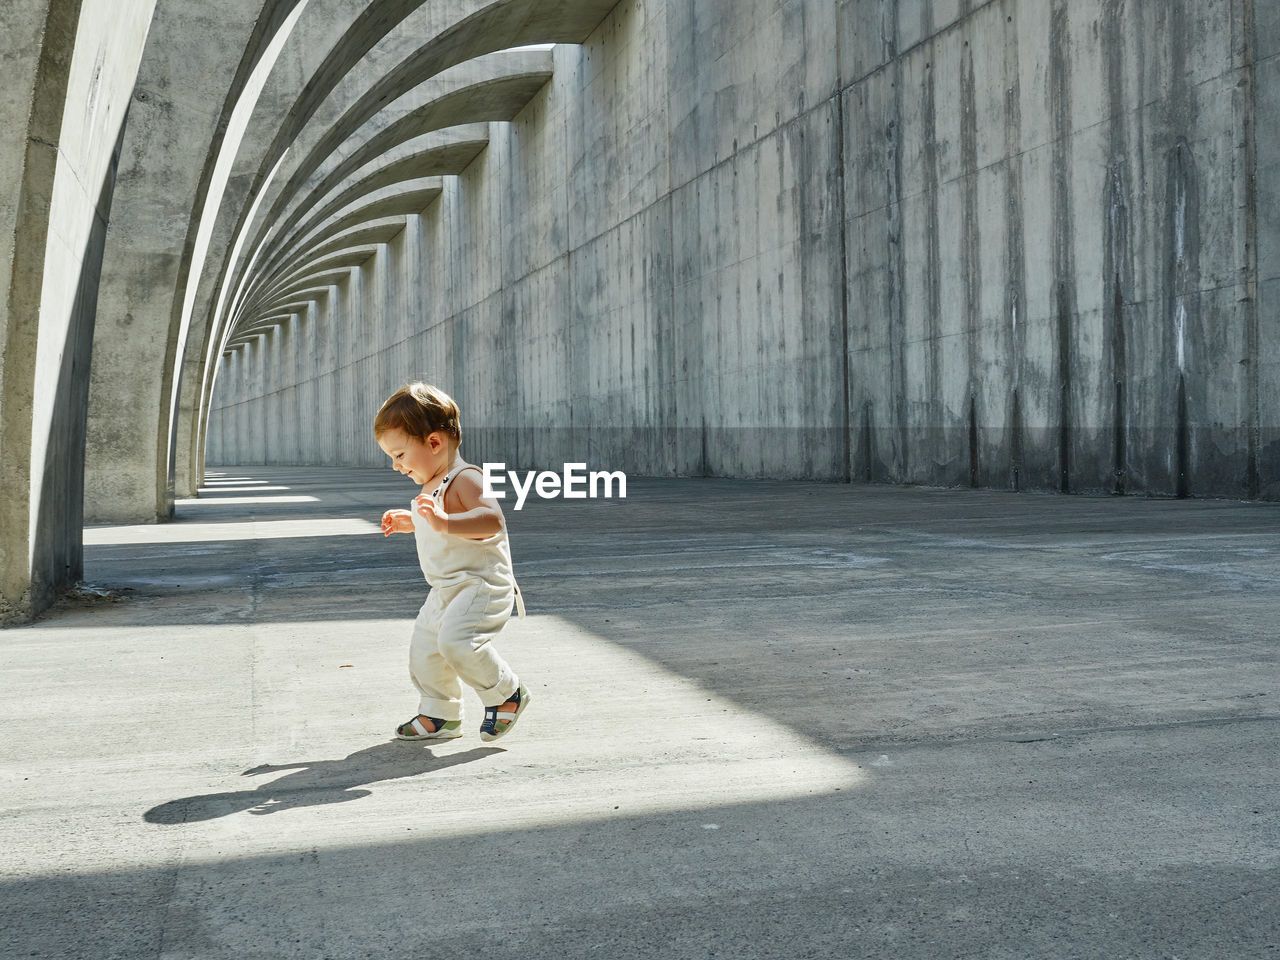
(397, 521)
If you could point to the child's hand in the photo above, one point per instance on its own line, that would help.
(432, 512)
(397, 521)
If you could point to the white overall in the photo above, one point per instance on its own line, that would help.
(472, 594)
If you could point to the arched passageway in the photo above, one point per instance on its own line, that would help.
(1015, 245)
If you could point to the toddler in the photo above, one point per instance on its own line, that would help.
(463, 550)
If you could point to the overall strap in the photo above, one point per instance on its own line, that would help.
(448, 478)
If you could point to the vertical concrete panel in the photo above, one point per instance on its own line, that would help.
(430, 294)
(1148, 408)
(867, 31)
(1219, 433)
(290, 428)
(989, 269)
(954, 161)
(245, 386)
(277, 423)
(920, 308)
(350, 325)
(270, 397)
(1092, 408)
(357, 324)
(1262, 352)
(217, 435)
(240, 409)
(432, 349)
(874, 185)
(307, 414)
(327, 318)
(228, 375)
(1123, 75)
(257, 403)
(619, 238)
(401, 314)
(492, 386)
(772, 383)
(1038, 396)
(381, 324)
(312, 416)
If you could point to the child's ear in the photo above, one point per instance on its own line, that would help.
(435, 440)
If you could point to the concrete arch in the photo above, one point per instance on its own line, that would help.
(353, 250)
(393, 202)
(269, 323)
(458, 32)
(493, 87)
(73, 69)
(438, 154)
(171, 146)
(42, 73)
(333, 270)
(295, 306)
(327, 35)
(304, 295)
(376, 223)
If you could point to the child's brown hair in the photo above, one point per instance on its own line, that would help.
(418, 409)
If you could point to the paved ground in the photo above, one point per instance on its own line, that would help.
(769, 720)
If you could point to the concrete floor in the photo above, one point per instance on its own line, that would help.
(769, 720)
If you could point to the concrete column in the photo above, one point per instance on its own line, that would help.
(73, 72)
(186, 89)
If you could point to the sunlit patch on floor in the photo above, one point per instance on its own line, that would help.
(214, 532)
(221, 501)
(609, 734)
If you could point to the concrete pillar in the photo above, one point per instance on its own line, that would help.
(73, 72)
(196, 63)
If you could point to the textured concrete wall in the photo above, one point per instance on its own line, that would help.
(85, 61)
(1022, 244)
(1053, 205)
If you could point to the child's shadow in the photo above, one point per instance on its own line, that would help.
(315, 783)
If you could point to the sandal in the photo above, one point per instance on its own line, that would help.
(500, 719)
(415, 729)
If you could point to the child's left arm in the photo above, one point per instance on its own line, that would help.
(466, 511)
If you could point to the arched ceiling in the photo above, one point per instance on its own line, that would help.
(433, 155)
(362, 113)
(495, 87)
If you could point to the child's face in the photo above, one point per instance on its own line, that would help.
(417, 459)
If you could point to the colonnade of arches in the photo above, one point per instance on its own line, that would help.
(1013, 244)
(190, 174)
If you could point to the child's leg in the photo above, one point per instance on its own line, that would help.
(437, 681)
(471, 619)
